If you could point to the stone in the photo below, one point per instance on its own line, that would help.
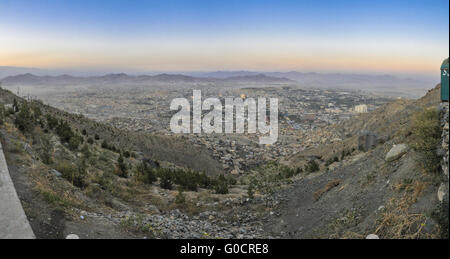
(372, 236)
(441, 192)
(55, 173)
(396, 152)
(72, 236)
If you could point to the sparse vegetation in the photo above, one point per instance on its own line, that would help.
(145, 174)
(72, 173)
(426, 134)
(325, 189)
(312, 166)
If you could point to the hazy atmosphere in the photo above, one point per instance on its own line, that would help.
(409, 37)
(210, 121)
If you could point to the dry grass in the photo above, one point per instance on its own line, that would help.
(397, 222)
(52, 193)
(325, 189)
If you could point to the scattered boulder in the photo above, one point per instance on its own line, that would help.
(372, 236)
(441, 192)
(396, 152)
(72, 236)
(55, 173)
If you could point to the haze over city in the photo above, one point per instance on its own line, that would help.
(223, 120)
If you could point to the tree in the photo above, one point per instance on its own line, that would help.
(105, 144)
(312, 166)
(122, 166)
(85, 151)
(2, 114)
(221, 186)
(46, 150)
(165, 182)
(145, 173)
(15, 106)
(24, 121)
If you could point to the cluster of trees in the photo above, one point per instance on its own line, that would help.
(67, 135)
(26, 118)
(287, 172)
(187, 180)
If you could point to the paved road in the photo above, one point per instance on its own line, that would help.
(13, 221)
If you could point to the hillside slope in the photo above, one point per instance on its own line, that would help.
(362, 193)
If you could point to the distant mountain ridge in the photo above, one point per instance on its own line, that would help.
(31, 79)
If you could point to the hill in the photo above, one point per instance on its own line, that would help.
(353, 193)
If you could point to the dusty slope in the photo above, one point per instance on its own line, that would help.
(363, 194)
(388, 122)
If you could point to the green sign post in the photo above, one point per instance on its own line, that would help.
(444, 81)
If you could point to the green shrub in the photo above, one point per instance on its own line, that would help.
(105, 144)
(145, 174)
(72, 173)
(2, 114)
(122, 167)
(24, 120)
(312, 166)
(52, 122)
(180, 198)
(165, 182)
(426, 135)
(221, 185)
(46, 150)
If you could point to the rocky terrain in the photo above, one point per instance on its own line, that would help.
(77, 176)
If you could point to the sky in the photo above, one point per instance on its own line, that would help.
(392, 36)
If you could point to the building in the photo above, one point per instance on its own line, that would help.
(362, 108)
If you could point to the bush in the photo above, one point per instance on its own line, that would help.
(24, 120)
(180, 198)
(72, 173)
(312, 166)
(2, 114)
(145, 174)
(165, 182)
(105, 144)
(122, 167)
(46, 150)
(67, 135)
(52, 122)
(426, 135)
(221, 186)
(97, 137)
(90, 141)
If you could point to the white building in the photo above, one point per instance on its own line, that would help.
(362, 108)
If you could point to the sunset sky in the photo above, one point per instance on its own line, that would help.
(333, 36)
